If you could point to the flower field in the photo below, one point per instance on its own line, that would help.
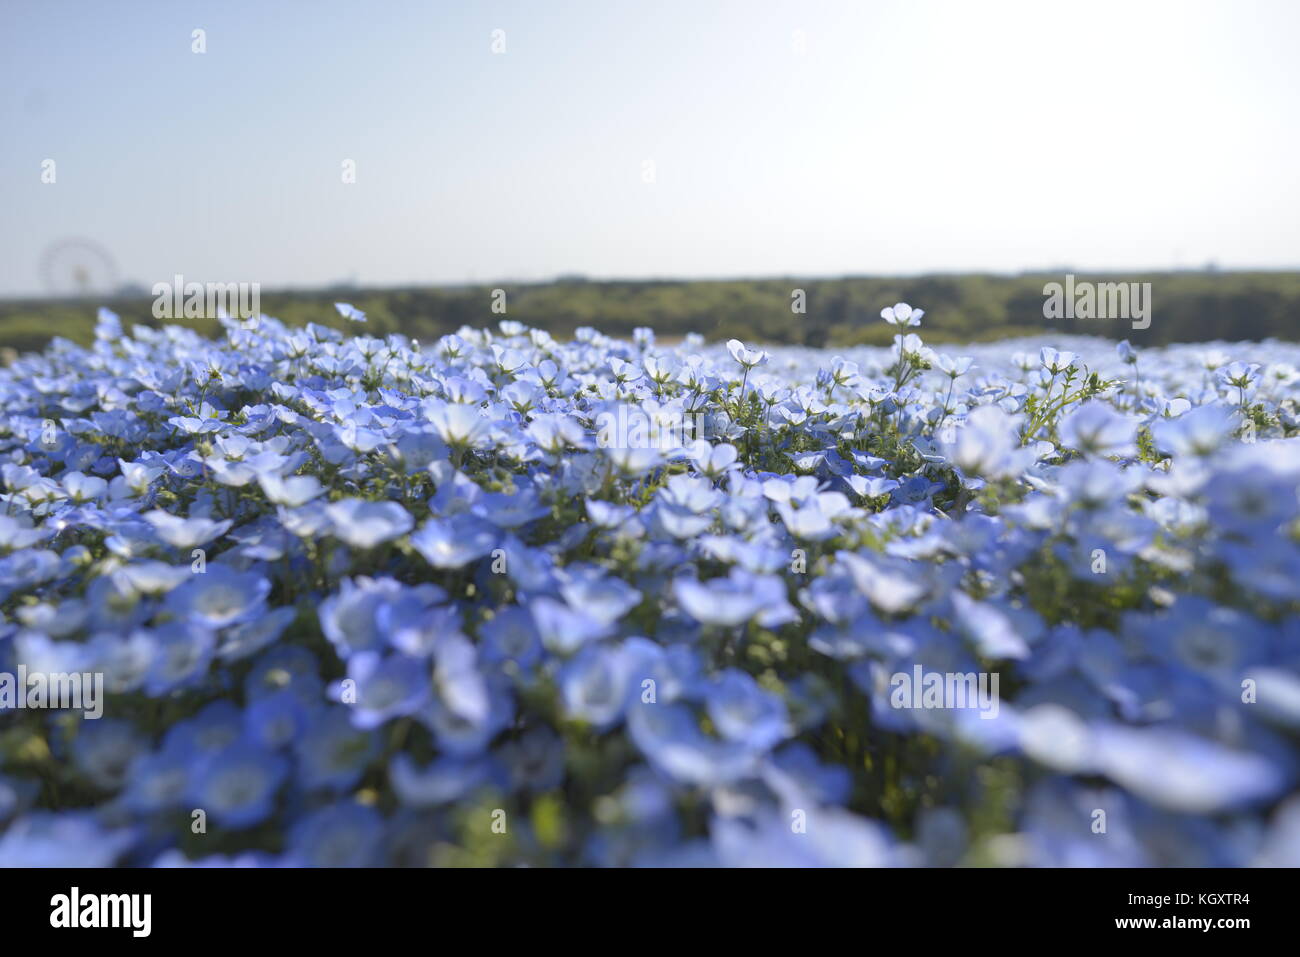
(503, 600)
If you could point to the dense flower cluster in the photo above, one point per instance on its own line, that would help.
(506, 600)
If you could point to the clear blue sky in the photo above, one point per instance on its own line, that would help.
(787, 138)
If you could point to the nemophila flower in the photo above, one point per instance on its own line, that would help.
(104, 749)
(275, 720)
(868, 513)
(563, 629)
(338, 835)
(62, 839)
(1199, 432)
(511, 509)
(510, 635)
(994, 632)
(241, 640)
(454, 542)
(747, 358)
(1220, 643)
(286, 667)
(54, 621)
(412, 626)
(1094, 428)
(15, 534)
(444, 781)
(800, 778)
(1273, 573)
(209, 732)
(910, 349)
(1056, 361)
(219, 597)
(349, 311)
(1239, 375)
(180, 653)
(987, 444)
(205, 420)
(354, 438)
(237, 786)
(684, 506)
(892, 586)
(458, 682)
(158, 781)
(631, 462)
(333, 752)
(233, 474)
(1094, 485)
(535, 761)
(293, 491)
(833, 838)
(83, 488)
(531, 570)
(1183, 772)
(814, 519)
(366, 524)
(380, 687)
(41, 654)
(742, 711)
(348, 618)
(901, 314)
(556, 432)
(603, 597)
(185, 533)
(594, 685)
(713, 461)
(954, 367)
(152, 577)
(671, 740)
(1256, 495)
(459, 425)
(416, 449)
(734, 600)
(463, 731)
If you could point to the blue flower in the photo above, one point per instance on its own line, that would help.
(67, 839)
(743, 712)
(219, 597)
(444, 781)
(185, 533)
(333, 753)
(237, 787)
(181, 654)
(157, 782)
(209, 732)
(594, 686)
(379, 687)
(365, 524)
(276, 720)
(454, 542)
(339, 835)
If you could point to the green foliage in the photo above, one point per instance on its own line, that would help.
(1044, 412)
(1186, 307)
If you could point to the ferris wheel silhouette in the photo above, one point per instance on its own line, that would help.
(78, 267)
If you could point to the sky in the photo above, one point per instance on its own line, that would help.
(625, 140)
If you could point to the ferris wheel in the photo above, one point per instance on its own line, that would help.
(78, 268)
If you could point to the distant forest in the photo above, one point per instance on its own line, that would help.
(1186, 307)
